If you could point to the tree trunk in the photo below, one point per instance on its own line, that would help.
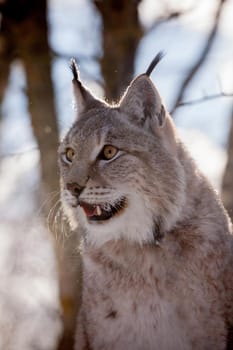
(24, 33)
(121, 32)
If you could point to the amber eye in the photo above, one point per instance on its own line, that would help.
(69, 155)
(108, 152)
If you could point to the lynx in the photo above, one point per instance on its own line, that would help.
(157, 244)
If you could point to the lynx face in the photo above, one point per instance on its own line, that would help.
(119, 167)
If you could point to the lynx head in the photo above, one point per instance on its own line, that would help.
(120, 174)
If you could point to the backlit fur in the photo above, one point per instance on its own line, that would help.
(158, 275)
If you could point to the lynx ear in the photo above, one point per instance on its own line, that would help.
(142, 103)
(83, 97)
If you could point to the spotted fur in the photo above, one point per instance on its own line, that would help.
(158, 274)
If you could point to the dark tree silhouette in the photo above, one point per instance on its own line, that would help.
(121, 32)
(24, 35)
(201, 58)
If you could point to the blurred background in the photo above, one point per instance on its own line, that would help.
(112, 41)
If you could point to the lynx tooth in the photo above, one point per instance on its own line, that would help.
(98, 210)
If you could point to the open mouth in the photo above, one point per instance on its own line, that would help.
(101, 212)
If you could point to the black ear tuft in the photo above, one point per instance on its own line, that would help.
(154, 63)
(74, 69)
(83, 97)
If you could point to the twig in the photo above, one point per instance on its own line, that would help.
(170, 16)
(79, 59)
(204, 99)
(201, 58)
(19, 154)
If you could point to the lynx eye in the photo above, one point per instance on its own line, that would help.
(108, 152)
(68, 155)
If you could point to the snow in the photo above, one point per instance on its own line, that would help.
(29, 305)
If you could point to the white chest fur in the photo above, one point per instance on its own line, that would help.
(136, 320)
(128, 310)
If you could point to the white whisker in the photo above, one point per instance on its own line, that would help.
(50, 197)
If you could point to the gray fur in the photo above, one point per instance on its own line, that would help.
(158, 275)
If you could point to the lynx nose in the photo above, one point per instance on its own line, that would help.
(75, 188)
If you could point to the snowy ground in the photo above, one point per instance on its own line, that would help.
(29, 307)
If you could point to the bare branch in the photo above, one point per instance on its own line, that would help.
(204, 99)
(79, 60)
(166, 18)
(18, 154)
(207, 47)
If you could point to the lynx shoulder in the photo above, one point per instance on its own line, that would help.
(157, 244)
